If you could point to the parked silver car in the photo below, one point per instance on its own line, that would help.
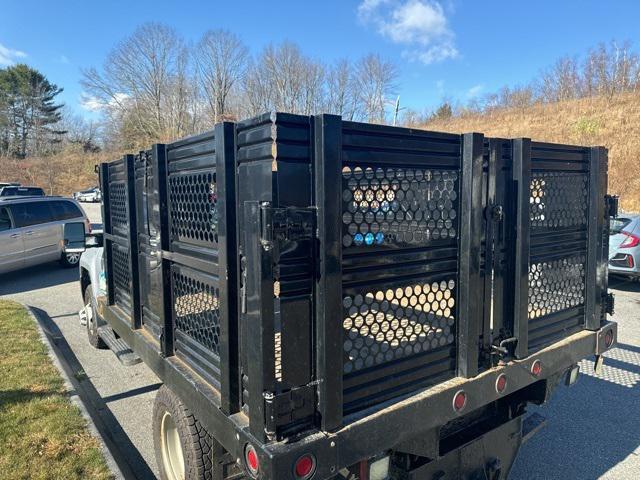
(91, 195)
(32, 231)
(624, 245)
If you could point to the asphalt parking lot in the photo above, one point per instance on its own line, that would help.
(593, 428)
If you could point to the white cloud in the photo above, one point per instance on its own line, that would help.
(9, 56)
(420, 25)
(94, 104)
(64, 59)
(475, 91)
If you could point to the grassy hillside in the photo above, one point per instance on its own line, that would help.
(613, 123)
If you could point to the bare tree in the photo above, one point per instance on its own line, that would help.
(146, 85)
(374, 82)
(221, 60)
(340, 96)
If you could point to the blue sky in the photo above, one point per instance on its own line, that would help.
(447, 48)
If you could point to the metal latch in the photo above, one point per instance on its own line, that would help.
(612, 203)
(609, 303)
(495, 213)
(286, 408)
(285, 224)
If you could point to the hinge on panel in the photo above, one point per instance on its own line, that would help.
(285, 225)
(609, 304)
(611, 202)
(286, 408)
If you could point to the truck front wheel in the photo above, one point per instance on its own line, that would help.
(183, 447)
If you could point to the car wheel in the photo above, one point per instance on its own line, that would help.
(184, 449)
(93, 322)
(70, 260)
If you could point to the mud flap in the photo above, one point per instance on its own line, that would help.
(488, 457)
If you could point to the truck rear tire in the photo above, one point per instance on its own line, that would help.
(182, 446)
(93, 322)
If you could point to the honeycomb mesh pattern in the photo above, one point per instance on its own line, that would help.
(384, 325)
(398, 206)
(121, 279)
(556, 285)
(558, 199)
(118, 206)
(196, 307)
(194, 207)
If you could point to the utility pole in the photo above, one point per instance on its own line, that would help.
(396, 111)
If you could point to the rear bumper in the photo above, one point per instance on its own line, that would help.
(382, 429)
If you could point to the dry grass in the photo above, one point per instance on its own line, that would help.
(61, 174)
(613, 123)
(42, 435)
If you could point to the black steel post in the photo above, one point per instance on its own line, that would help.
(597, 255)
(470, 284)
(159, 156)
(132, 237)
(259, 318)
(521, 149)
(328, 292)
(228, 265)
(107, 231)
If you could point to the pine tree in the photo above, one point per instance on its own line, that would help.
(28, 112)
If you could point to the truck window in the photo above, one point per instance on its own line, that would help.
(31, 213)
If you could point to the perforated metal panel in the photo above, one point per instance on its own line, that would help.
(400, 197)
(382, 326)
(196, 306)
(118, 206)
(556, 285)
(558, 199)
(397, 206)
(121, 276)
(558, 206)
(194, 211)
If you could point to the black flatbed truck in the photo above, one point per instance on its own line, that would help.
(329, 299)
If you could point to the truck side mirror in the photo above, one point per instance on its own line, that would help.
(74, 238)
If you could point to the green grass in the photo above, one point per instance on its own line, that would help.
(42, 435)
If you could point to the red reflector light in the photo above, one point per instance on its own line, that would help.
(459, 401)
(608, 339)
(631, 240)
(501, 383)
(305, 467)
(251, 459)
(536, 368)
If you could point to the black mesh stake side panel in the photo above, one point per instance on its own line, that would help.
(400, 226)
(192, 195)
(121, 268)
(558, 212)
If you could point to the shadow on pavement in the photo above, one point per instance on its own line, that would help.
(126, 455)
(623, 283)
(35, 278)
(593, 426)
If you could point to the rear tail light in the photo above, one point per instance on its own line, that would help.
(252, 461)
(459, 401)
(88, 224)
(305, 467)
(631, 240)
(536, 368)
(501, 383)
